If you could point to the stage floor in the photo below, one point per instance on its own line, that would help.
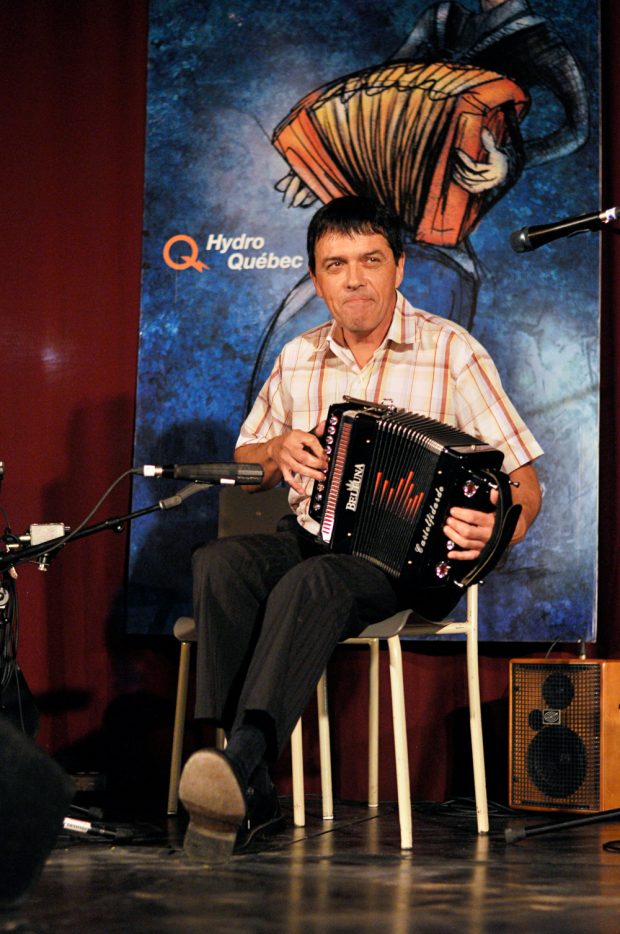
(344, 875)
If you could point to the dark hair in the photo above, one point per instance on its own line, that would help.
(354, 215)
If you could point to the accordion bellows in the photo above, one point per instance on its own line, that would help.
(389, 133)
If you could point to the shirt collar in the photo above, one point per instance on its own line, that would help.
(403, 329)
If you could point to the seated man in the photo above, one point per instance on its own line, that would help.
(271, 609)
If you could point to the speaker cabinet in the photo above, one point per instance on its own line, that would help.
(564, 741)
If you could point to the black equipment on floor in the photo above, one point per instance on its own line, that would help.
(35, 794)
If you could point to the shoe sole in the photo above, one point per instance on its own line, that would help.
(211, 794)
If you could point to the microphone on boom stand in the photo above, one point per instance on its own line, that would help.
(229, 473)
(530, 238)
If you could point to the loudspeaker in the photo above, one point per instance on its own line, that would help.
(564, 742)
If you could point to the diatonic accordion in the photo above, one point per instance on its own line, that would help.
(391, 132)
(392, 478)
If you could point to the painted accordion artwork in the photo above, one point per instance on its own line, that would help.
(370, 134)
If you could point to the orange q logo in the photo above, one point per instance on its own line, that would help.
(184, 261)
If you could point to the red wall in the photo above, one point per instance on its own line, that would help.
(73, 162)
(71, 220)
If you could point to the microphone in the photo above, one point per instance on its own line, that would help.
(226, 474)
(530, 238)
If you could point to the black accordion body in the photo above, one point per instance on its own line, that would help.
(392, 478)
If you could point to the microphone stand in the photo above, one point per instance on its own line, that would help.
(48, 548)
(518, 831)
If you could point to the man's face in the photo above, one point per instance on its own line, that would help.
(356, 276)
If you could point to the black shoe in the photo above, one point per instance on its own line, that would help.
(263, 818)
(211, 794)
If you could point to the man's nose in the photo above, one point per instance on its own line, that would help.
(355, 275)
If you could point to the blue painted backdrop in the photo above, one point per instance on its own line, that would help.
(223, 251)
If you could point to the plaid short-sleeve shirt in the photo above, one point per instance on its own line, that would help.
(426, 364)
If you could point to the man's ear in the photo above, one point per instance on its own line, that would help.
(315, 283)
(400, 270)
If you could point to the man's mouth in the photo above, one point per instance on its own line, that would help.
(358, 298)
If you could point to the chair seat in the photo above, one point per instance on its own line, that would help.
(405, 623)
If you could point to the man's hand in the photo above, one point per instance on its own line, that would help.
(287, 457)
(299, 454)
(470, 530)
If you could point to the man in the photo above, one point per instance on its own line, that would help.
(270, 609)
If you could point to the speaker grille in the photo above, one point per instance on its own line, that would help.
(556, 733)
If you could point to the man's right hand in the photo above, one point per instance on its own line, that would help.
(288, 457)
(298, 454)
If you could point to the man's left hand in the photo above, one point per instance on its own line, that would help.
(470, 530)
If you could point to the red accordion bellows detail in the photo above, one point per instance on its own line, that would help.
(389, 133)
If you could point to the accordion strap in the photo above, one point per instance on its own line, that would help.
(506, 517)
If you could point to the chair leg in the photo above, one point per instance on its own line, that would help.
(327, 797)
(179, 728)
(373, 725)
(475, 715)
(297, 762)
(400, 742)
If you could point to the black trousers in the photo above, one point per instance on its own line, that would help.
(270, 610)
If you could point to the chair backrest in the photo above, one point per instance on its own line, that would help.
(244, 513)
